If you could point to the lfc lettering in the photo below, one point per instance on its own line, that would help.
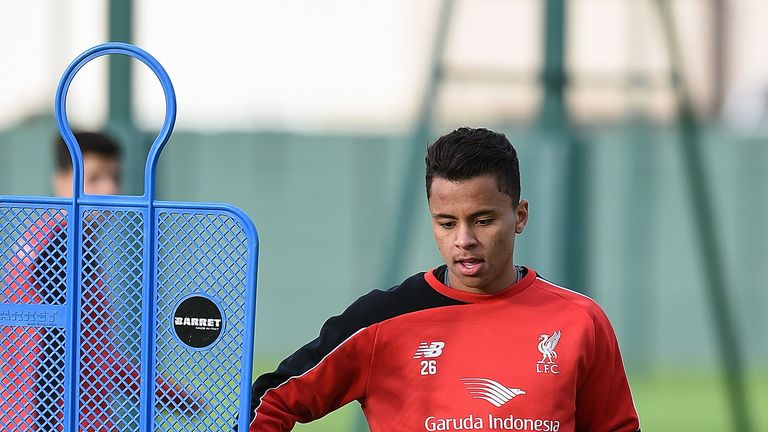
(547, 368)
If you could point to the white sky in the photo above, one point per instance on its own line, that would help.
(360, 64)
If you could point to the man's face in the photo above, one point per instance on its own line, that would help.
(101, 177)
(475, 226)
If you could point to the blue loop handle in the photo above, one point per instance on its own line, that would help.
(66, 130)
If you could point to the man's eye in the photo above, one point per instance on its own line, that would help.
(484, 222)
(447, 225)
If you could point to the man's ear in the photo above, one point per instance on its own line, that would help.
(522, 216)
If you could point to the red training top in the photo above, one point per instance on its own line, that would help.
(425, 357)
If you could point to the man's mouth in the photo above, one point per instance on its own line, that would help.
(469, 266)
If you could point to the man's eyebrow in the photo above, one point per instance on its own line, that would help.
(477, 214)
(484, 212)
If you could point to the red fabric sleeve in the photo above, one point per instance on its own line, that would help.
(337, 379)
(604, 401)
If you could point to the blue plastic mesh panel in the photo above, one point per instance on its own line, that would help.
(33, 251)
(204, 253)
(50, 381)
(88, 332)
(110, 314)
(32, 381)
(17, 383)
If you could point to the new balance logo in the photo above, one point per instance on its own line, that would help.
(489, 390)
(429, 350)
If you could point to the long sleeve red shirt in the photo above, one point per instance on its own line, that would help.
(425, 357)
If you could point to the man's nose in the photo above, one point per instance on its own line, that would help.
(465, 238)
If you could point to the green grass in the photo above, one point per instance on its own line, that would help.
(342, 420)
(689, 401)
(666, 401)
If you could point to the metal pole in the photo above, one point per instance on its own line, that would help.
(553, 115)
(120, 85)
(640, 157)
(714, 267)
(719, 52)
(120, 117)
(572, 258)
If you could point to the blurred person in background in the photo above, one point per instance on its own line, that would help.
(102, 165)
(37, 275)
(477, 343)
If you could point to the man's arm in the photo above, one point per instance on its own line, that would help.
(603, 400)
(320, 377)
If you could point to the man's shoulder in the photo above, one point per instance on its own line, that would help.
(412, 295)
(567, 299)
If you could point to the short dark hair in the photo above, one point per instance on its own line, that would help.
(98, 143)
(470, 152)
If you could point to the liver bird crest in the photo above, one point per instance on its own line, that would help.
(547, 346)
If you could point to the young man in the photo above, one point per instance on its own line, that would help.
(36, 275)
(475, 344)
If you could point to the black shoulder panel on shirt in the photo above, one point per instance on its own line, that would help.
(413, 295)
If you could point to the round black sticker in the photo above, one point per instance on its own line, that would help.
(197, 321)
